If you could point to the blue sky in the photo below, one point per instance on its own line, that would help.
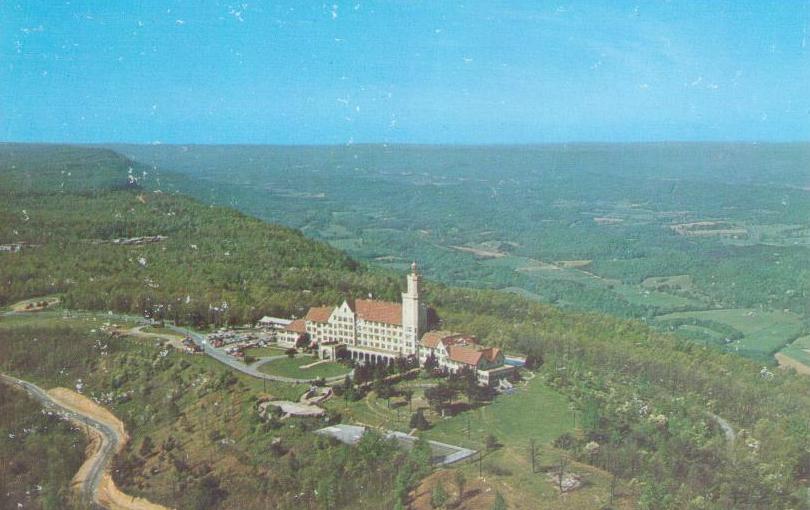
(436, 71)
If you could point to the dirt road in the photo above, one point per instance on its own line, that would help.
(107, 437)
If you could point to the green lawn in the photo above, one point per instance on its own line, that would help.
(160, 331)
(765, 332)
(532, 412)
(287, 367)
(264, 352)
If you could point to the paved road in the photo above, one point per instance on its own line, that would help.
(110, 437)
(251, 370)
(217, 354)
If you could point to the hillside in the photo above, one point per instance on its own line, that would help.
(633, 230)
(71, 208)
(647, 399)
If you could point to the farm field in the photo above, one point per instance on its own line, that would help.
(292, 367)
(719, 226)
(763, 332)
(798, 350)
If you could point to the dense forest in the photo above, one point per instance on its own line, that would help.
(39, 454)
(651, 403)
(614, 210)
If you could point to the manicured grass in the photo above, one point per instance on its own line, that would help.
(765, 332)
(264, 352)
(291, 367)
(532, 412)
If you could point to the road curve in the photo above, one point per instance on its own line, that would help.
(250, 370)
(218, 355)
(110, 437)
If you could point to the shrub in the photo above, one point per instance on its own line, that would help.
(418, 421)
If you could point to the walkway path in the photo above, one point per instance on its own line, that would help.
(728, 430)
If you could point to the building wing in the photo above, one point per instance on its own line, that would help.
(379, 311)
(319, 314)
(297, 326)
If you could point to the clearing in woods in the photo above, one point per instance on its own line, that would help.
(796, 355)
(763, 331)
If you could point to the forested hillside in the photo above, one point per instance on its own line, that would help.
(71, 208)
(651, 402)
(633, 230)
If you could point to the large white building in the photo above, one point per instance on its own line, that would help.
(381, 331)
(369, 329)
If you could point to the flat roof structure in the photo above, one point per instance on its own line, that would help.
(441, 453)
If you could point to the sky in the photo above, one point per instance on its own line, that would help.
(439, 71)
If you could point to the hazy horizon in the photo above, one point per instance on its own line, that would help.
(416, 72)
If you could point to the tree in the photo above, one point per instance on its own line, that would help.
(439, 395)
(438, 498)
(491, 442)
(408, 394)
(499, 503)
(430, 363)
(146, 446)
(385, 390)
(460, 481)
(418, 421)
(205, 494)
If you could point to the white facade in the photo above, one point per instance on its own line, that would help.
(373, 329)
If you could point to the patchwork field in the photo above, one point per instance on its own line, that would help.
(799, 350)
(763, 332)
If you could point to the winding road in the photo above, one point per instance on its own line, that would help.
(251, 370)
(110, 437)
(217, 354)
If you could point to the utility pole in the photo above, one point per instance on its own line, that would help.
(468, 425)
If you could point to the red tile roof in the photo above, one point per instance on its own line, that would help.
(431, 338)
(465, 354)
(491, 354)
(379, 311)
(471, 354)
(297, 326)
(319, 313)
